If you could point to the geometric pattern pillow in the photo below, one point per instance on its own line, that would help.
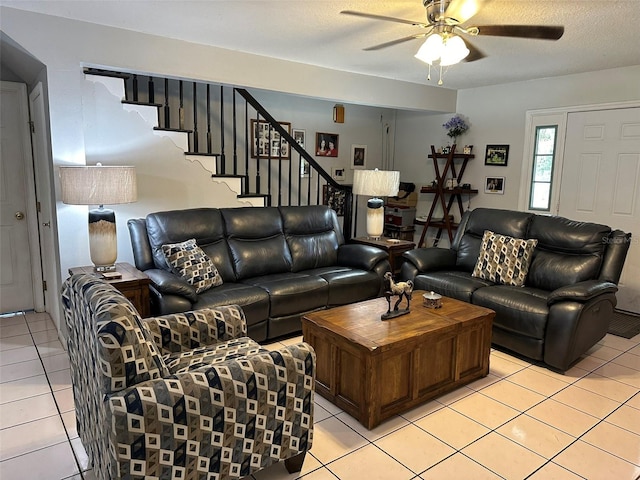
(189, 261)
(504, 259)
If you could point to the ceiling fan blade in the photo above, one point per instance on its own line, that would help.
(463, 10)
(385, 18)
(542, 32)
(396, 42)
(474, 52)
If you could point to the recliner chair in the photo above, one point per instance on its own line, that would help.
(184, 396)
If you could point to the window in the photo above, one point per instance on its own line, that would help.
(542, 161)
(544, 155)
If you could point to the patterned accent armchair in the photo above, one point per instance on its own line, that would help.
(183, 396)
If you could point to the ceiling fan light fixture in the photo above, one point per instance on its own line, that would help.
(454, 51)
(431, 49)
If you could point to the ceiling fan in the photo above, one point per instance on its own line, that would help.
(443, 31)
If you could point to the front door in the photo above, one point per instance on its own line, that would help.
(601, 182)
(16, 287)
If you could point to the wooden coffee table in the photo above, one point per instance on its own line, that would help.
(374, 369)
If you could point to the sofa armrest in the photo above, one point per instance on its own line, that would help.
(168, 283)
(181, 332)
(431, 259)
(223, 405)
(360, 256)
(581, 291)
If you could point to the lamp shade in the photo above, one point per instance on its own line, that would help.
(98, 185)
(376, 183)
(431, 49)
(454, 51)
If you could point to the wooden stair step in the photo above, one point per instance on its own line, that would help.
(164, 129)
(144, 104)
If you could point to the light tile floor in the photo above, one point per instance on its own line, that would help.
(521, 421)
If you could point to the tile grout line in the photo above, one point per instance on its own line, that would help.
(55, 400)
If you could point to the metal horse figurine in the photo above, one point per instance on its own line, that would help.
(401, 289)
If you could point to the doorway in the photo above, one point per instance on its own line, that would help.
(20, 273)
(601, 182)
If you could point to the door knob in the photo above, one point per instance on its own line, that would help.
(19, 215)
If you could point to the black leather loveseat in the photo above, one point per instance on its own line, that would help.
(276, 262)
(566, 302)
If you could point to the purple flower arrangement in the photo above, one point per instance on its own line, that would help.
(456, 126)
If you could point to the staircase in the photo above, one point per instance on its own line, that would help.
(233, 136)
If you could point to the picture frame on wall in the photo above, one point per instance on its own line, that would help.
(358, 157)
(334, 199)
(338, 174)
(326, 144)
(494, 185)
(266, 141)
(497, 155)
(305, 169)
(299, 136)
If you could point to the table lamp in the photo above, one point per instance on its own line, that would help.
(100, 185)
(375, 183)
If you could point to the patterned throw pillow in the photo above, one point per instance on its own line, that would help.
(189, 261)
(504, 259)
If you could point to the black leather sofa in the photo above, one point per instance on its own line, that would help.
(568, 298)
(276, 262)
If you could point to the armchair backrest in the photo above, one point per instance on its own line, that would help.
(108, 351)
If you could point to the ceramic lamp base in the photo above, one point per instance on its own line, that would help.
(375, 218)
(103, 241)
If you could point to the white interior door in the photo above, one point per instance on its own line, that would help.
(16, 287)
(601, 182)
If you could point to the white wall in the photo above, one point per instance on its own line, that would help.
(496, 115)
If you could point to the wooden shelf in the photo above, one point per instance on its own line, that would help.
(449, 190)
(445, 196)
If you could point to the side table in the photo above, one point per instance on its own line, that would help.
(393, 246)
(134, 285)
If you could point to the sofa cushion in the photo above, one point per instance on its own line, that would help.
(505, 222)
(187, 360)
(454, 284)
(291, 293)
(205, 225)
(520, 310)
(348, 285)
(253, 300)
(503, 259)
(189, 261)
(568, 252)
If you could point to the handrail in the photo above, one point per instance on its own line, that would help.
(194, 114)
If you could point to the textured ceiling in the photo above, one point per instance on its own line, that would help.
(599, 34)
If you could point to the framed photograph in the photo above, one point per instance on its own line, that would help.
(299, 136)
(358, 157)
(338, 174)
(494, 185)
(334, 198)
(305, 169)
(265, 140)
(326, 144)
(497, 155)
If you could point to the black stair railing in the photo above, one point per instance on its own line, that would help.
(227, 114)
